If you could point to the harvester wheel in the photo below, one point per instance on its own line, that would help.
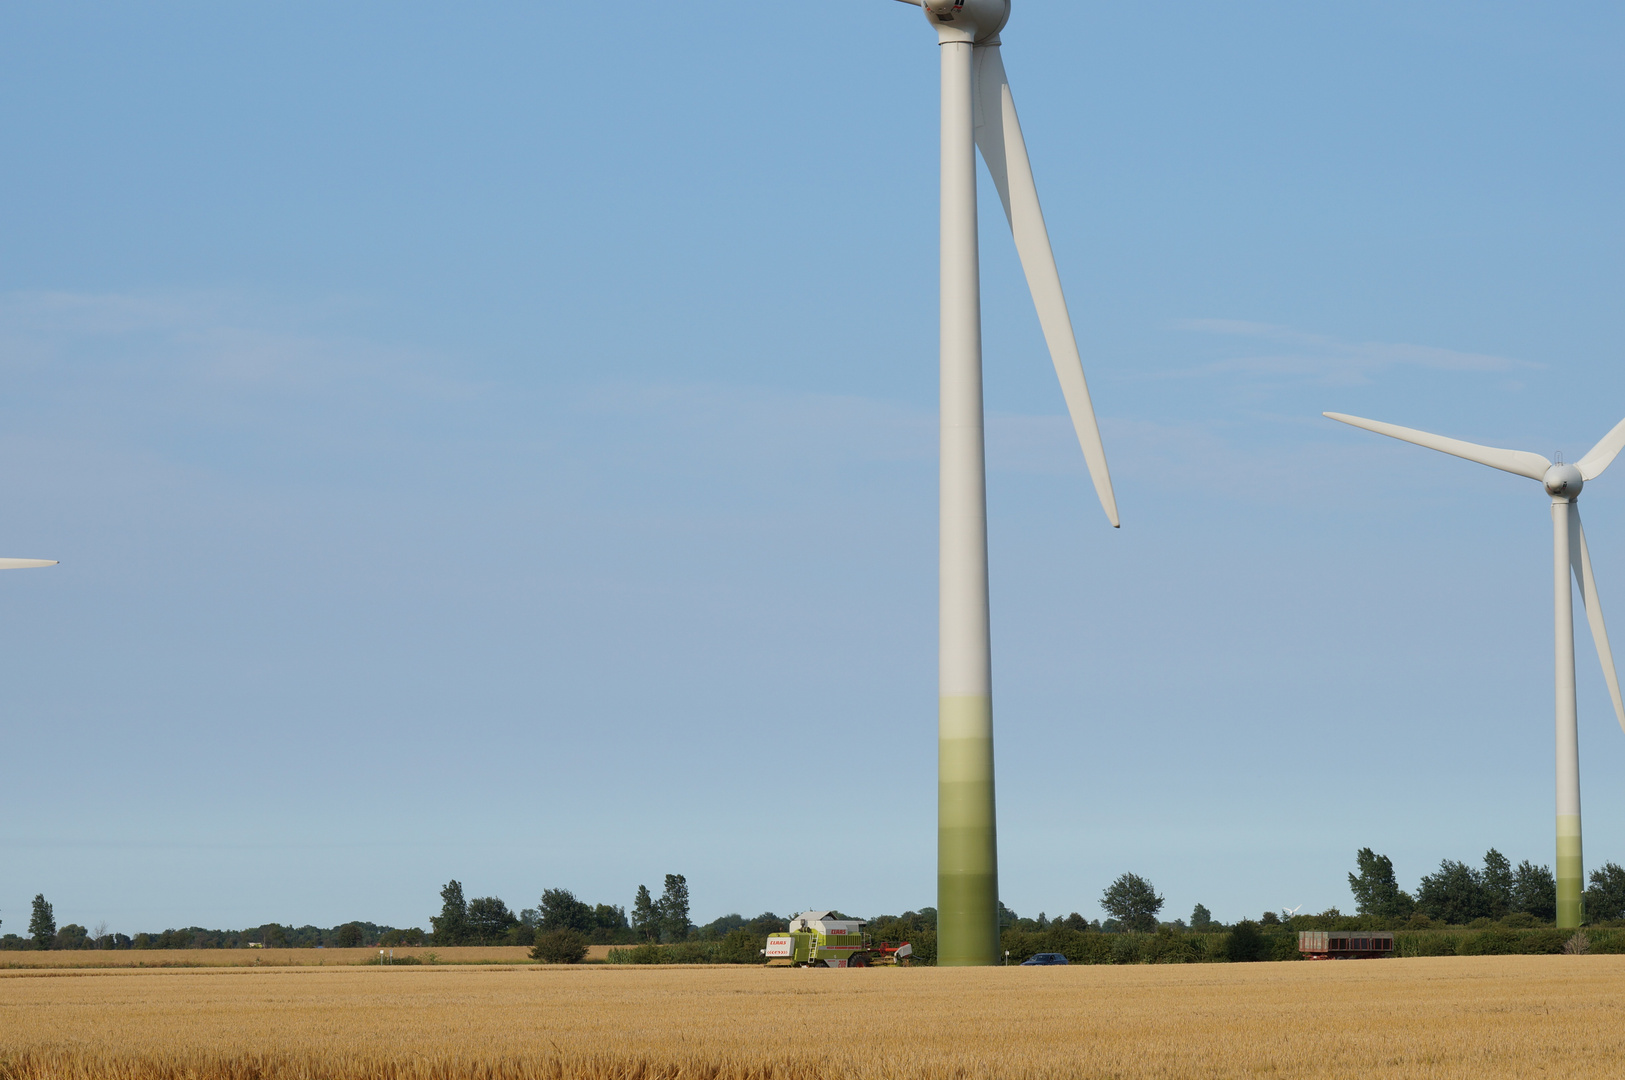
(858, 960)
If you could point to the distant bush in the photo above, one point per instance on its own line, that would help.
(1279, 946)
(559, 947)
(739, 947)
(1490, 943)
(1170, 946)
(1125, 949)
(1245, 943)
(1426, 943)
(1607, 941)
(636, 954)
(1547, 940)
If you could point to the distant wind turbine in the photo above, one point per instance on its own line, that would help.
(978, 113)
(25, 564)
(1569, 556)
(1289, 912)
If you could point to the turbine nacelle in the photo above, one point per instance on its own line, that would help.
(1563, 481)
(966, 20)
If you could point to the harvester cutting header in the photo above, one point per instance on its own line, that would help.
(817, 939)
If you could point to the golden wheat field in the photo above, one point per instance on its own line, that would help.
(1514, 1016)
(192, 958)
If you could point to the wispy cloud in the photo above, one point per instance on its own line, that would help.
(1287, 353)
(208, 340)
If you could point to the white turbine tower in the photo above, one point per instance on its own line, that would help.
(979, 113)
(1569, 556)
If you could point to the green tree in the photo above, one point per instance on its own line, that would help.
(1606, 897)
(1132, 902)
(489, 920)
(72, 936)
(673, 909)
(1498, 882)
(563, 946)
(42, 926)
(1534, 890)
(608, 921)
(1376, 892)
(560, 910)
(451, 925)
(1454, 894)
(1201, 918)
(645, 918)
(348, 936)
(1245, 943)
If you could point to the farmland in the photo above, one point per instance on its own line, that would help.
(196, 958)
(1554, 1016)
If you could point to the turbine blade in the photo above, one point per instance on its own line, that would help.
(1599, 457)
(24, 564)
(1580, 563)
(1522, 462)
(998, 136)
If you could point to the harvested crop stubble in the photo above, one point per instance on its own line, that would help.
(1551, 1016)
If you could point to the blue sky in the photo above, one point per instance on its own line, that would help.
(501, 445)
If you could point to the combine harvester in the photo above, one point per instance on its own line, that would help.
(815, 939)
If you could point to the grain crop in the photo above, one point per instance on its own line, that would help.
(192, 958)
(1513, 1016)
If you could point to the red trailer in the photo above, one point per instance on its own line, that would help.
(1344, 944)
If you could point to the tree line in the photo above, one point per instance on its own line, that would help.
(1457, 894)
(43, 933)
(562, 926)
(487, 920)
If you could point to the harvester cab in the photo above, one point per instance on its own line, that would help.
(819, 939)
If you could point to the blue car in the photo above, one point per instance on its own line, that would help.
(1043, 959)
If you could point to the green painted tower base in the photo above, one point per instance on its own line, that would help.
(967, 852)
(1570, 874)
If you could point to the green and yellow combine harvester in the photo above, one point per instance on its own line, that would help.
(818, 939)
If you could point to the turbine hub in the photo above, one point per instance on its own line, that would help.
(1564, 481)
(967, 20)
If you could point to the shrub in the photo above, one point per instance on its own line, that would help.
(1427, 944)
(1281, 947)
(559, 947)
(648, 953)
(1089, 949)
(1491, 943)
(1170, 946)
(1604, 941)
(1245, 944)
(739, 947)
(1125, 949)
(1544, 941)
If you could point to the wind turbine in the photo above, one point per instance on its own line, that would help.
(979, 113)
(1569, 556)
